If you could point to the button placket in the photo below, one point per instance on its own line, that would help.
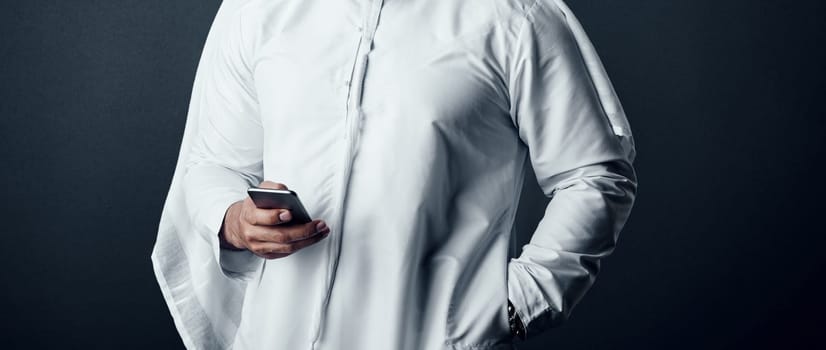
(352, 119)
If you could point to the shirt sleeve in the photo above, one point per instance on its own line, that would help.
(581, 149)
(226, 155)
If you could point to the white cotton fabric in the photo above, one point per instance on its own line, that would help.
(406, 125)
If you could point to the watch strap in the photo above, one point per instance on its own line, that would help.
(516, 326)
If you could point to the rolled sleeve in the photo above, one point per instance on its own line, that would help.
(581, 149)
(226, 156)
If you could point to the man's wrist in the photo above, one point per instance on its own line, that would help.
(225, 237)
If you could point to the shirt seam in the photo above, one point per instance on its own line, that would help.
(512, 63)
(589, 72)
(249, 68)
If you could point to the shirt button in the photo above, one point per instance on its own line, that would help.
(359, 28)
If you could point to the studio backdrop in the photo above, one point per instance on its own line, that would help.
(723, 248)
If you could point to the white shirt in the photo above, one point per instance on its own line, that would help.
(407, 126)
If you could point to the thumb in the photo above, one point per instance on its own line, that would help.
(272, 185)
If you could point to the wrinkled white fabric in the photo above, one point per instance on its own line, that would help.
(406, 125)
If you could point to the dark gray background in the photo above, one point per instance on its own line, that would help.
(724, 248)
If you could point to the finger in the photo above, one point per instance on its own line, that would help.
(268, 217)
(272, 185)
(271, 250)
(288, 234)
(296, 233)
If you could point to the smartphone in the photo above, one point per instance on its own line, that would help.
(268, 198)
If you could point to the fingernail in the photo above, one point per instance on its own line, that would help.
(320, 226)
(284, 216)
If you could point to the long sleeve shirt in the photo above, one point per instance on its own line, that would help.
(407, 125)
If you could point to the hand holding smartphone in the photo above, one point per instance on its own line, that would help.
(269, 198)
(250, 225)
